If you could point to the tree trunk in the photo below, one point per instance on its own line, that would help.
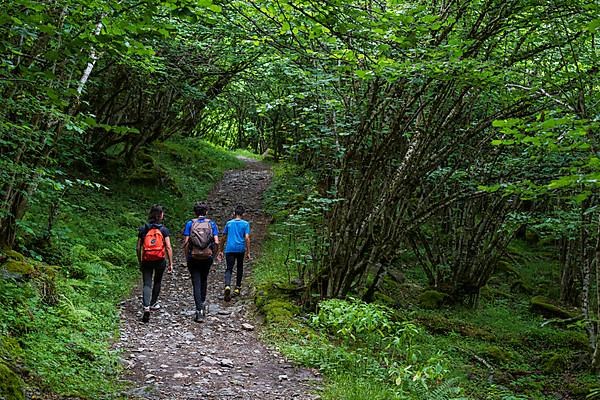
(596, 348)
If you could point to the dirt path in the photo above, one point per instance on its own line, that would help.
(173, 357)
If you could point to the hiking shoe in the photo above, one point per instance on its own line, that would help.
(200, 314)
(227, 293)
(146, 315)
(236, 291)
(154, 306)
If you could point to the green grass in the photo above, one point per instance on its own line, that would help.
(346, 386)
(58, 326)
(248, 154)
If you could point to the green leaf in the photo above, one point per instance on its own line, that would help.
(563, 182)
(594, 25)
(505, 123)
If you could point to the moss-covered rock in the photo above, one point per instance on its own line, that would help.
(11, 385)
(554, 362)
(432, 299)
(19, 267)
(275, 306)
(14, 255)
(279, 311)
(10, 348)
(497, 354)
(541, 305)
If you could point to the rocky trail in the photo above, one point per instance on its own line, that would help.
(173, 357)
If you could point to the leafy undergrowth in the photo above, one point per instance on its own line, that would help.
(58, 305)
(397, 349)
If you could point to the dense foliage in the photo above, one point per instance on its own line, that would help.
(434, 132)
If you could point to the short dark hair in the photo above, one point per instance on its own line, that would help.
(155, 212)
(239, 210)
(200, 208)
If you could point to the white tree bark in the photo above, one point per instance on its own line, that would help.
(93, 58)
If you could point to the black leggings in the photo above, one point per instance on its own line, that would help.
(150, 270)
(199, 270)
(230, 259)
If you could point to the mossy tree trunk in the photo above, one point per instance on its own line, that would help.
(570, 276)
(595, 344)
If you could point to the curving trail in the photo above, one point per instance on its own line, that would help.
(173, 357)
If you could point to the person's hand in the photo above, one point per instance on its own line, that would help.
(170, 268)
(220, 256)
(248, 257)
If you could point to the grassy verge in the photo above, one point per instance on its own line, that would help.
(58, 304)
(400, 349)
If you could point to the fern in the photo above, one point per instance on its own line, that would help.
(447, 390)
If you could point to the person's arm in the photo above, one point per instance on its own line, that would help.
(138, 250)
(222, 246)
(247, 239)
(169, 254)
(186, 241)
(186, 237)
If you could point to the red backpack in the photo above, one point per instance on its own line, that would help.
(154, 245)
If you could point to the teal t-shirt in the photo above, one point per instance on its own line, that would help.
(236, 230)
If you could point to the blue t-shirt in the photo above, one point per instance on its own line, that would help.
(236, 231)
(188, 229)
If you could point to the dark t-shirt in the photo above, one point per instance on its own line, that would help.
(142, 230)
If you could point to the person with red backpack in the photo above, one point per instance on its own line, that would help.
(200, 241)
(154, 253)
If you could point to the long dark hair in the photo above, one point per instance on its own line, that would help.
(155, 213)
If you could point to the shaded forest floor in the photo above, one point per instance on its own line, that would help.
(222, 358)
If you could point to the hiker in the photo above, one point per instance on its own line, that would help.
(154, 253)
(236, 241)
(200, 236)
